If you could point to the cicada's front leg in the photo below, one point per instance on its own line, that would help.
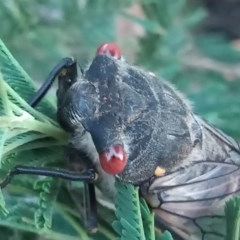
(79, 162)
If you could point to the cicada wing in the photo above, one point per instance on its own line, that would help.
(205, 228)
(191, 200)
(224, 138)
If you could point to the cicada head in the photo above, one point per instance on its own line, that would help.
(125, 110)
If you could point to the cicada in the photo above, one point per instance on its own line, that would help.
(136, 127)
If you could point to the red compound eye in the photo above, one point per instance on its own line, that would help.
(113, 160)
(109, 48)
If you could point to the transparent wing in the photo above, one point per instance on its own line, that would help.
(191, 199)
(217, 133)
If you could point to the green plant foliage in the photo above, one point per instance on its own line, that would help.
(148, 220)
(52, 29)
(128, 211)
(165, 236)
(171, 37)
(21, 126)
(210, 46)
(232, 213)
(134, 218)
(204, 67)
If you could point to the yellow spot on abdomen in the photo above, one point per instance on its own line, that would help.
(159, 171)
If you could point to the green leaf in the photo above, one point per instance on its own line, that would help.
(20, 127)
(48, 191)
(218, 48)
(129, 224)
(232, 213)
(134, 218)
(165, 236)
(148, 220)
(19, 81)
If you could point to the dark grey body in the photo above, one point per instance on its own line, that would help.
(116, 103)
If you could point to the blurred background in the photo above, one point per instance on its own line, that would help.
(195, 44)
